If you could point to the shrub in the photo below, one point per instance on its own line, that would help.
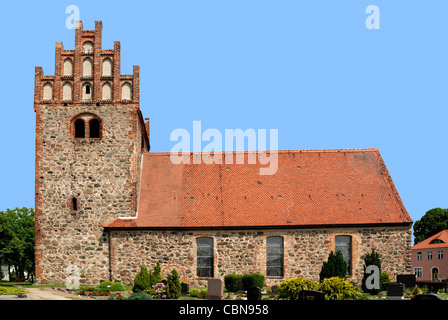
(173, 288)
(117, 296)
(104, 284)
(336, 288)
(157, 276)
(94, 291)
(139, 296)
(159, 291)
(335, 266)
(251, 280)
(202, 294)
(142, 281)
(117, 286)
(231, 282)
(385, 280)
(194, 292)
(4, 290)
(416, 291)
(290, 288)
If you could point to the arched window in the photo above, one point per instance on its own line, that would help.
(87, 68)
(344, 244)
(88, 47)
(68, 67)
(80, 128)
(126, 92)
(274, 256)
(67, 92)
(107, 67)
(48, 91)
(107, 92)
(87, 92)
(204, 256)
(94, 128)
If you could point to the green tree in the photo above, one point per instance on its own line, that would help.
(173, 287)
(335, 266)
(434, 221)
(17, 241)
(372, 258)
(157, 273)
(142, 281)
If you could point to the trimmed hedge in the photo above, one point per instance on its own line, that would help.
(252, 280)
(231, 281)
(335, 288)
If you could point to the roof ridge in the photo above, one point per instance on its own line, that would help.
(167, 153)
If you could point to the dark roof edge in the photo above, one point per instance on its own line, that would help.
(326, 226)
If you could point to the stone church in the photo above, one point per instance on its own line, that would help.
(105, 204)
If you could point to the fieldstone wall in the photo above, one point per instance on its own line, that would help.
(245, 251)
(101, 174)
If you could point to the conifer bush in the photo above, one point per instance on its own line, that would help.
(173, 287)
(156, 274)
(335, 266)
(142, 281)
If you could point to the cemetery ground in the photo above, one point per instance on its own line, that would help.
(27, 291)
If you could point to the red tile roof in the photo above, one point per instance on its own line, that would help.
(426, 244)
(310, 188)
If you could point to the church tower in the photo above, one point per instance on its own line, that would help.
(90, 137)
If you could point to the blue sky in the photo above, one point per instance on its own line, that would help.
(310, 69)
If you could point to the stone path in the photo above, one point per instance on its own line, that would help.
(45, 293)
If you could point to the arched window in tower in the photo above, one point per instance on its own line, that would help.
(68, 67)
(126, 92)
(80, 129)
(107, 68)
(88, 47)
(48, 91)
(67, 92)
(87, 92)
(87, 68)
(94, 128)
(107, 92)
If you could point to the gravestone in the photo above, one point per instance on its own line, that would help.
(215, 289)
(395, 290)
(185, 287)
(311, 295)
(407, 279)
(274, 290)
(240, 287)
(254, 293)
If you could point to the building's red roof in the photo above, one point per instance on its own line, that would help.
(442, 236)
(310, 188)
